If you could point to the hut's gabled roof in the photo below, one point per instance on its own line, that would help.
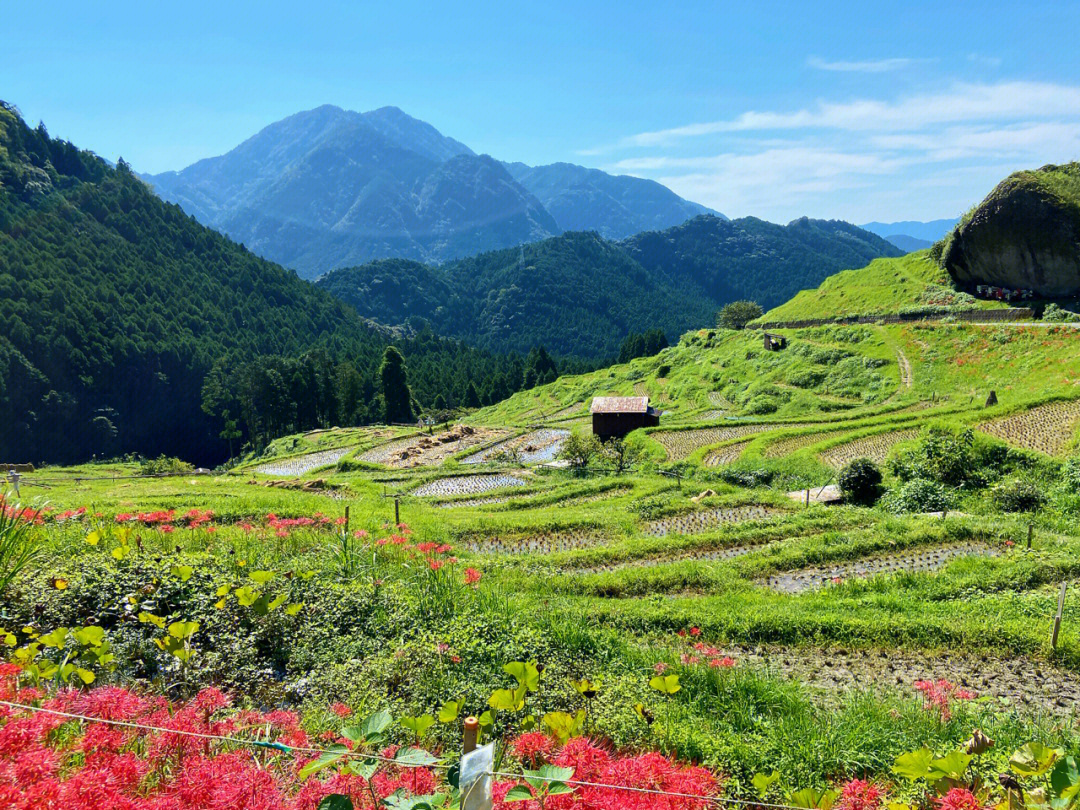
(619, 405)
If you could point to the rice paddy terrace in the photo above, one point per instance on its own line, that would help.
(701, 534)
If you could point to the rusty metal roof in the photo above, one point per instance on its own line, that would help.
(619, 405)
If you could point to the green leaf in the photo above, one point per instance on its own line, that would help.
(1034, 759)
(57, 638)
(183, 630)
(333, 754)
(415, 756)
(807, 798)
(335, 801)
(247, 596)
(914, 764)
(294, 608)
(668, 684)
(223, 590)
(449, 711)
(93, 636)
(763, 782)
(1065, 778)
(950, 766)
(183, 572)
(418, 725)
(486, 719)
(525, 673)
(376, 724)
(261, 577)
(121, 552)
(558, 788)
(563, 726)
(506, 700)
(157, 621)
(518, 793)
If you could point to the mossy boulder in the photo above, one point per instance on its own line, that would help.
(1024, 235)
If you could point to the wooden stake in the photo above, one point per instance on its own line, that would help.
(808, 497)
(346, 521)
(397, 510)
(1031, 532)
(470, 734)
(1057, 618)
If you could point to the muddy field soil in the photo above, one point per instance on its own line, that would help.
(429, 450)
(1025, 683)
(915, 560)
(301, 465)
(542, 543)
(696, 522)
(532, 448)
(466, 485)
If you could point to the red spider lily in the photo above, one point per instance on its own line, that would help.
(959, 799)
(858, 794)
(937, 695)
(472, 576)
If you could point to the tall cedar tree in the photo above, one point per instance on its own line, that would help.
(394, 381)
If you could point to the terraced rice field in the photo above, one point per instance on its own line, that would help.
(428, 450)
(1047, 428)
(1021, 681)
(470, 502)
(568, 411)
(540, 543)
(681, 443)
(875, 447)
(300, 465)
(710, 416)
(915, 560)
(696, 522)
(614, 492)
(729, 553)
(466, 485)
(725, 455)
(533, 448)
(785, 447)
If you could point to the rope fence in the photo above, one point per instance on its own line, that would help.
(290, 749)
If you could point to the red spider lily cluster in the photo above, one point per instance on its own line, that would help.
(858, 794)
(702, 653)
(23, 513)
(937, 695)
(595, 764)
(959, 799)
(159, 765)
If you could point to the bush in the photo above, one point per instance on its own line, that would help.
(860, 481)
(1018, 496)
(738, 314)
(580, 450)
(761, 404)
(1058, 315)
(1070, 474)
(164, 465)
(917, 495)
(950, 456)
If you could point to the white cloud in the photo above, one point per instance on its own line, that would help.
(1006, 101)
(873, 66)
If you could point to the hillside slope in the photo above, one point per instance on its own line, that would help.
(1024, 235)
(116, 306)
(615, 206)
(578, 294)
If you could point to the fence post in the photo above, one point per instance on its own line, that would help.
(1057, 618)
(397, 510)
(808, 497)
(1031, 531)
(346, 521)
(14, 478)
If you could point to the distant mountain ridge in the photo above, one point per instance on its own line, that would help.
(580, 294)
(927, 231)
(328, 187)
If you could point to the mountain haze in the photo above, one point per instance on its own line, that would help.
(329, 187)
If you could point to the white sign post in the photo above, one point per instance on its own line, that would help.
(475, 779)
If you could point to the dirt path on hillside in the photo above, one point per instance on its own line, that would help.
(905, 367)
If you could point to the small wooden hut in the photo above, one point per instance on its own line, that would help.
(616, 416)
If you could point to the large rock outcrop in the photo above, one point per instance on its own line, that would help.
(1024, 235)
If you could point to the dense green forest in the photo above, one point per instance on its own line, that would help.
(581, 295)
(117, 306)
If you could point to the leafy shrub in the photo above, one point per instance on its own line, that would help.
(1018, 496)
(165, 465)
(860, 481)
(917, 495)
(1058, 315)
(580, 450)
(805, 379)
(951, 456)
(762, 404)
(1070, 474)
(747, 476)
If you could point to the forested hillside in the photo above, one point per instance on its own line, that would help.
(580, 295)
(116, 305)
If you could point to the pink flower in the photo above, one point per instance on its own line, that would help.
(533, 748)
(340, 709)
(472, 576)
(858, 794)
(959, 799)
(660, 668)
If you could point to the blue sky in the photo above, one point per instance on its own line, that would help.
(857, 111)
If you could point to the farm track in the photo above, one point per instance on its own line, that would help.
(1026, 683)
(1045, 428)
(301, 465)
(875, 447)
(905, 368)
(912, 561)
(466, 485)
(696, 522)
